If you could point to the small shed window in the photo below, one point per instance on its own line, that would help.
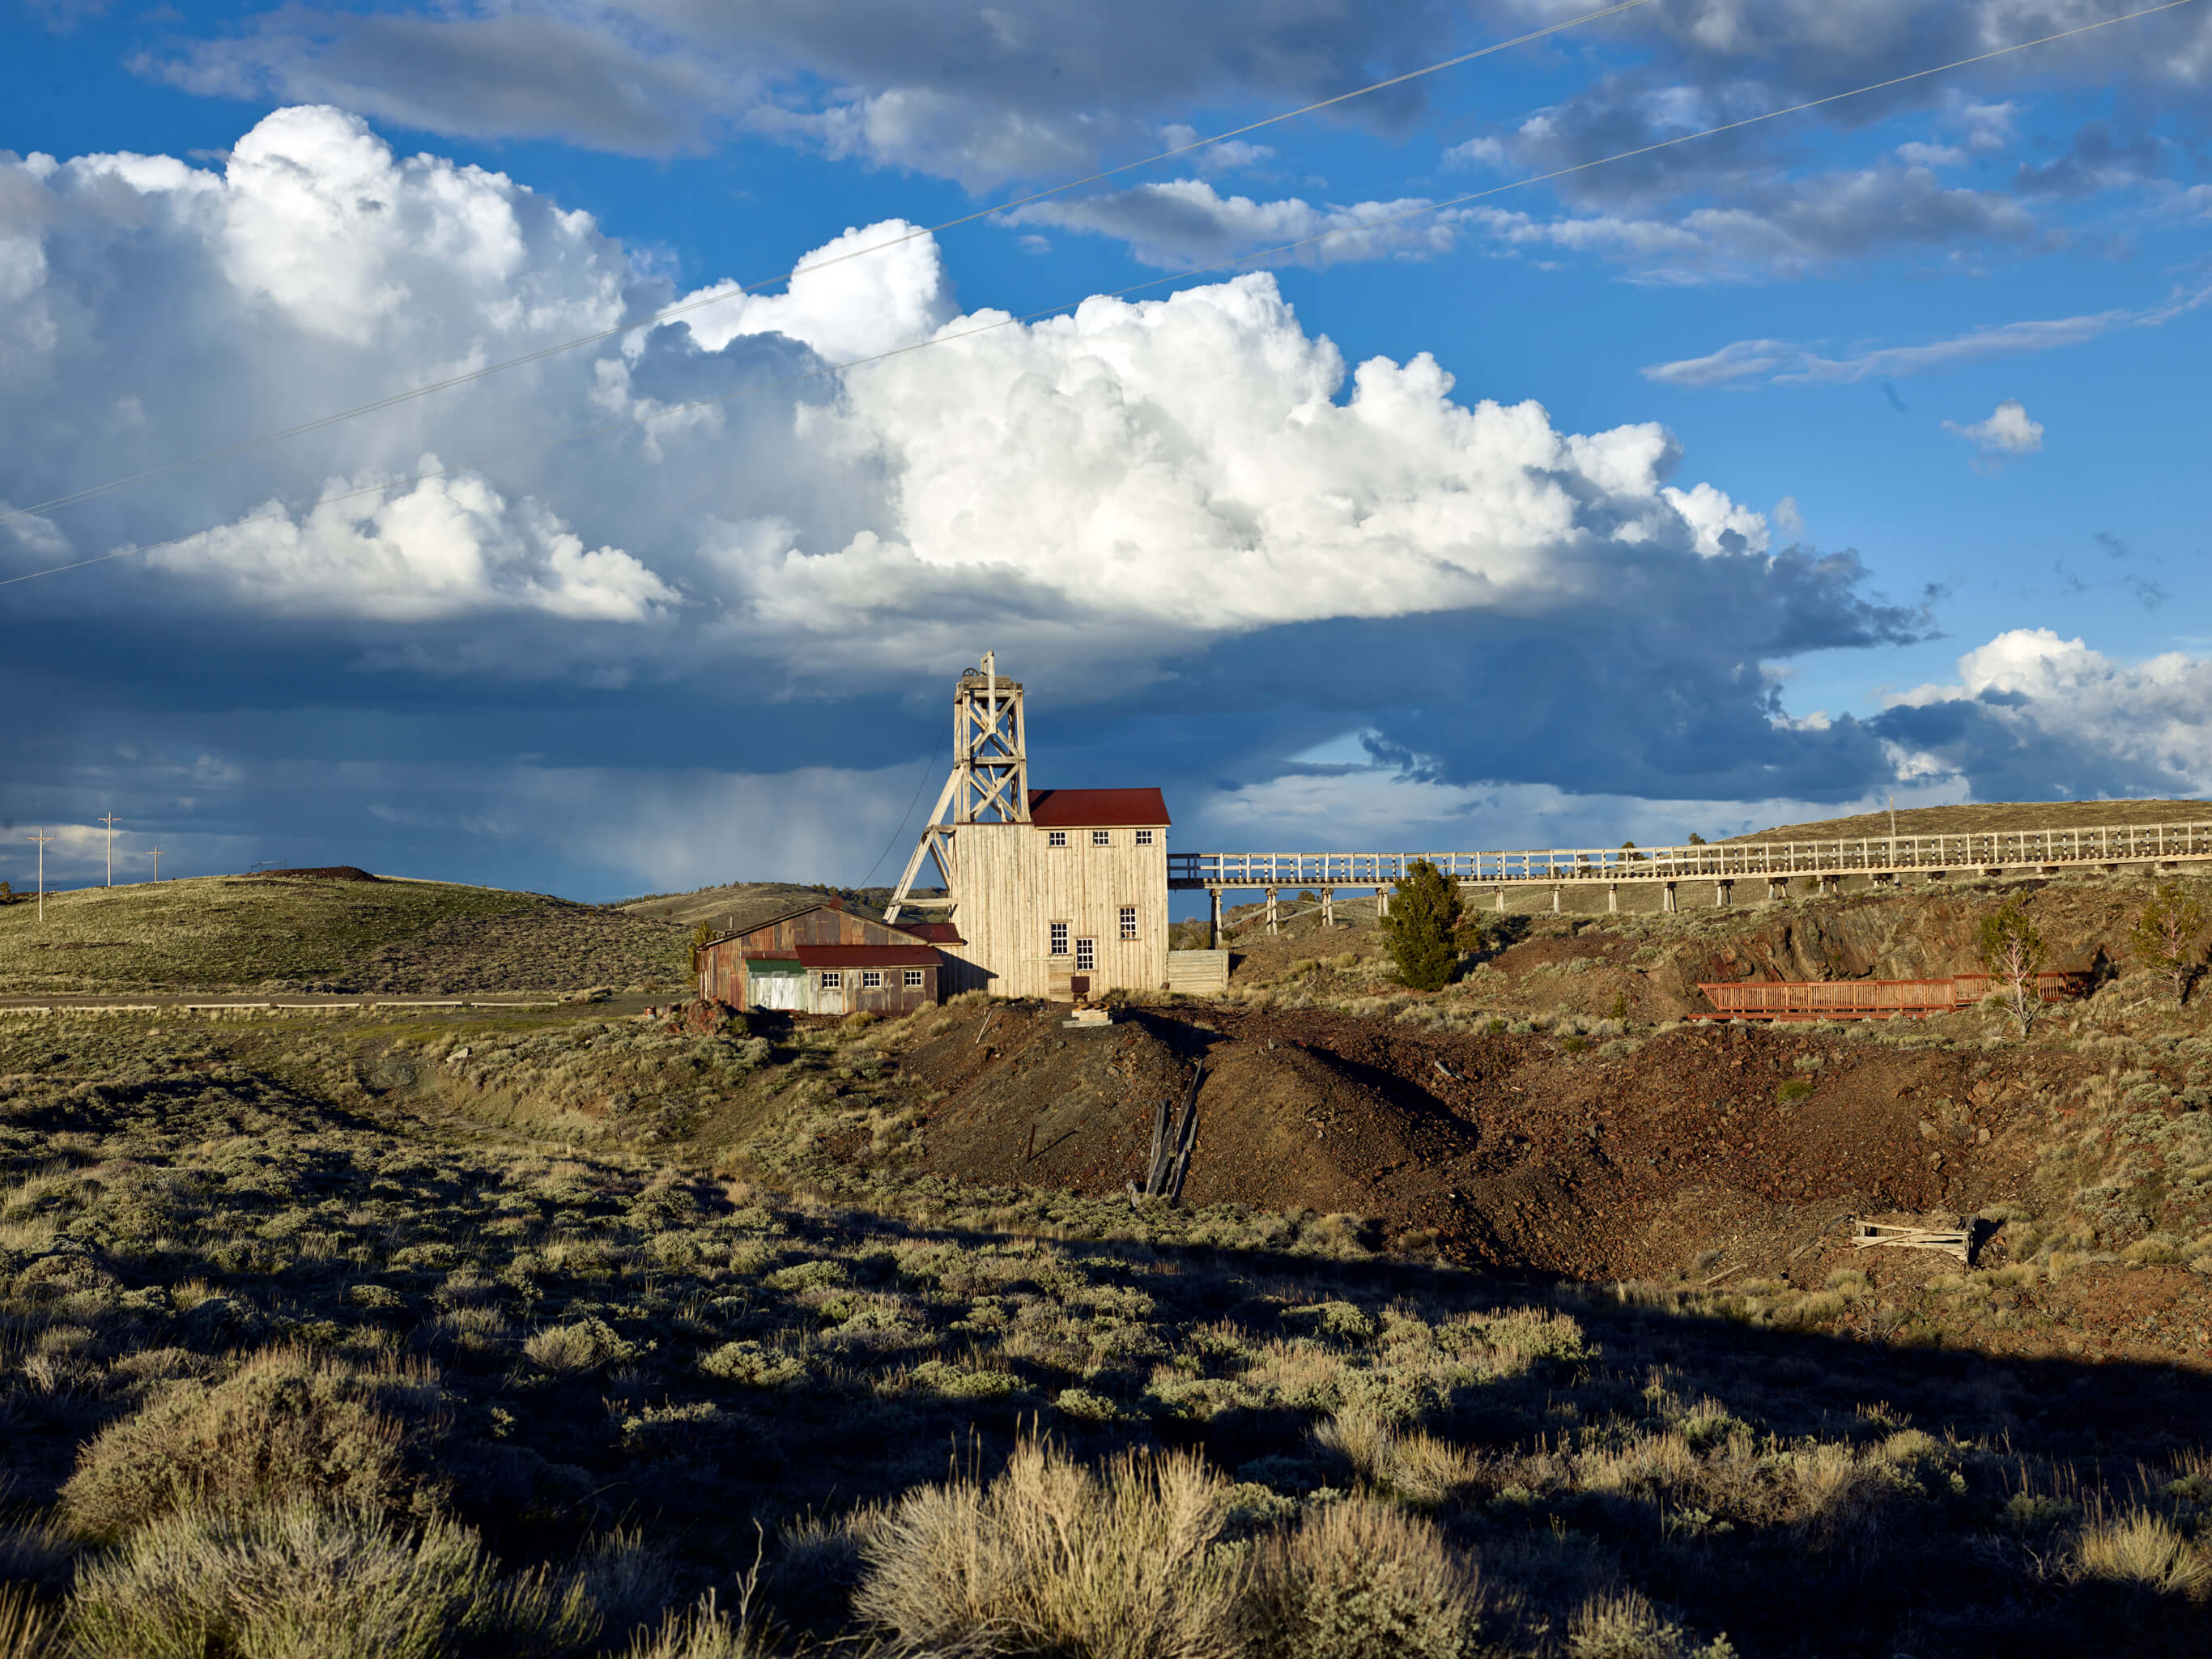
(1060, 939)
(1128, 921)
(1102, 837)
(1144, 838)
(833, 979)
(915, 979)
(1055, 837)
(872, 979)
(1086, 955)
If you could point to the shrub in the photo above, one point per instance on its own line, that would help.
(1426, 929)
(283, 1427)
(307, 1582)
(2145, 1550)
(2168, 937)
(575, 1350)
(1116, 1565)
(1362, 1579)
(1796, 1090)
(1624, 1625)
(2012, 953)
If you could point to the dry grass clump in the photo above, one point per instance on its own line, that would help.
(303, 1581)
(2145, 1550)
(27, 1630)
(283, 1426)
(1053, 1556)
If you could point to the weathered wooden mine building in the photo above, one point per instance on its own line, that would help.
(821, 958)
(1054, 893)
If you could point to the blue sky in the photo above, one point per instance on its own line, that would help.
(1852, 452)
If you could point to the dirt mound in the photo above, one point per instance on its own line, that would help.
(1515, 1151)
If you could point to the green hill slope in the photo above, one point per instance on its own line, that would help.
(289, 933)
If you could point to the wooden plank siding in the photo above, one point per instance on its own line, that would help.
(723, 977)
(1014, 885)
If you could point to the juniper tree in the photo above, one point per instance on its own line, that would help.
(1427, 928)
(2012, 954)
(2168, 937)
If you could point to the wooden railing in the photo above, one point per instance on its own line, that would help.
(2010, 849)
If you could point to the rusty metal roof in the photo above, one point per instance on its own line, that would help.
(859, 956)
(1096, 809)
(937, 933)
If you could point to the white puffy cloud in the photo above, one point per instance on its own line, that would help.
(440, 548)
(707, 532)
(1169, 471)
(2007, 431)
(2036, 716)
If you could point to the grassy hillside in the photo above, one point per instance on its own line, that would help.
(291, 933)
(299, 1328)
(1519, 1319)
(1992, 816)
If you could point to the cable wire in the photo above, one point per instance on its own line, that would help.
(899, 833)
(1121, 293)
(246, 446)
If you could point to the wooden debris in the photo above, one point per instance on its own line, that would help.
(1953, 1241)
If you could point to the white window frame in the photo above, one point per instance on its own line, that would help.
(833, 979)
(1102, 837)
(1055, 837)
(1086, 955)
(1128, 921)
(1056, 938)
(916, 979)
(1144, 838)
(872, 979)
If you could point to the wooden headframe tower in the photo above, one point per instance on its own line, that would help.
(990, 780)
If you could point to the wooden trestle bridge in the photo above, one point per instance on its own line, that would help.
(1721, 865)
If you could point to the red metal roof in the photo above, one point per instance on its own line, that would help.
(937, 933)
(854, 956)
(1095, 809)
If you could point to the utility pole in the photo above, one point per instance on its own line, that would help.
(157, 863)
(42, 839)
(110, 821)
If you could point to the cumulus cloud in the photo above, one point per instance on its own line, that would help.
(1746, 364)
(1188, 502)
(2009, 431)
(2035, 716)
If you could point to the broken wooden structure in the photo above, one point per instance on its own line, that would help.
(1957, 1241)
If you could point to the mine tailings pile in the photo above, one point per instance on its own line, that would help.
(1518, 1150)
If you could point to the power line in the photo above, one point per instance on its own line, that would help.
(899, 833)
(1247, 258)
(808, 269)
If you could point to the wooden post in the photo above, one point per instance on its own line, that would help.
(1555, 901)
(1270, 910)
(1382, 903)
(1328, 907)
(1613, 897)
(1501, 898)
(1667, 899)
(1213, 927)
(1722, 892)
